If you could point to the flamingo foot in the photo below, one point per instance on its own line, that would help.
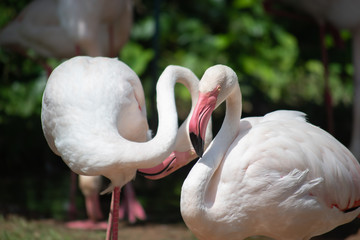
(87, 225)
(131, 206)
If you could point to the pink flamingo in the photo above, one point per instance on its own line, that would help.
(276, 176)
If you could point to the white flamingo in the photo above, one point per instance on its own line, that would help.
(37, 27)
(276, 176)
(48, 28)
(91, 23)
(93, 111)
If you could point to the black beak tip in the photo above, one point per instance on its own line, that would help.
(197, 143)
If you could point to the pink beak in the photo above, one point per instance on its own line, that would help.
(200, 119)
(172, 163)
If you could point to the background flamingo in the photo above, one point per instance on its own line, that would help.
(342, 15)
(276, 176)
(99, 28)
(49, 28)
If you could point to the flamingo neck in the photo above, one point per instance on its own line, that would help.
(193, 87)
(151, 153)
(194, 205)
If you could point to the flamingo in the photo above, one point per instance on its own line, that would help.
(276, 176)
(37, 28)
(94, 117)
(343, 14)
(90, 24)
(42, 27)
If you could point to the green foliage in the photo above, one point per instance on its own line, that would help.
(136, 56)
(22, 99)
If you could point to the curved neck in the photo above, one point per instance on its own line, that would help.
(195, 186)
(148, 154)
(182, 140)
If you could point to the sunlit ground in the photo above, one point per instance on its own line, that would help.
(18, 228)
(14, 227)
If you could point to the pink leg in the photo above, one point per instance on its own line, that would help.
(93, 208)
(113, 223)
(132, 205)
(94, 214)
(108, 230)
(72, 205)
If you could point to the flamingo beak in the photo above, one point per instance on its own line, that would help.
(200, 119)
(172, 163)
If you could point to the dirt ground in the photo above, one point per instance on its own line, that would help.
(15, 227)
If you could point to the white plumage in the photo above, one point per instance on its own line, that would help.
(92, 106)
(99, 27)
(276, 176)
(64, 29)
(94, 117)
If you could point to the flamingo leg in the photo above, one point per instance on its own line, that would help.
(113, 222)
(93, 208)
(132, 205)
(108, 230)
(72, 206)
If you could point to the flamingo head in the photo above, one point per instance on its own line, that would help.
(214, 87)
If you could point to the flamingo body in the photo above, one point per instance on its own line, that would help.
(94, 117)
(276, 176)
(82, 106)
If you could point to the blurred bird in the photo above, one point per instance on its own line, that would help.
(50, 29)
(99, 28)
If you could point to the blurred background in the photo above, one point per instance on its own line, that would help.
(278, 59)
